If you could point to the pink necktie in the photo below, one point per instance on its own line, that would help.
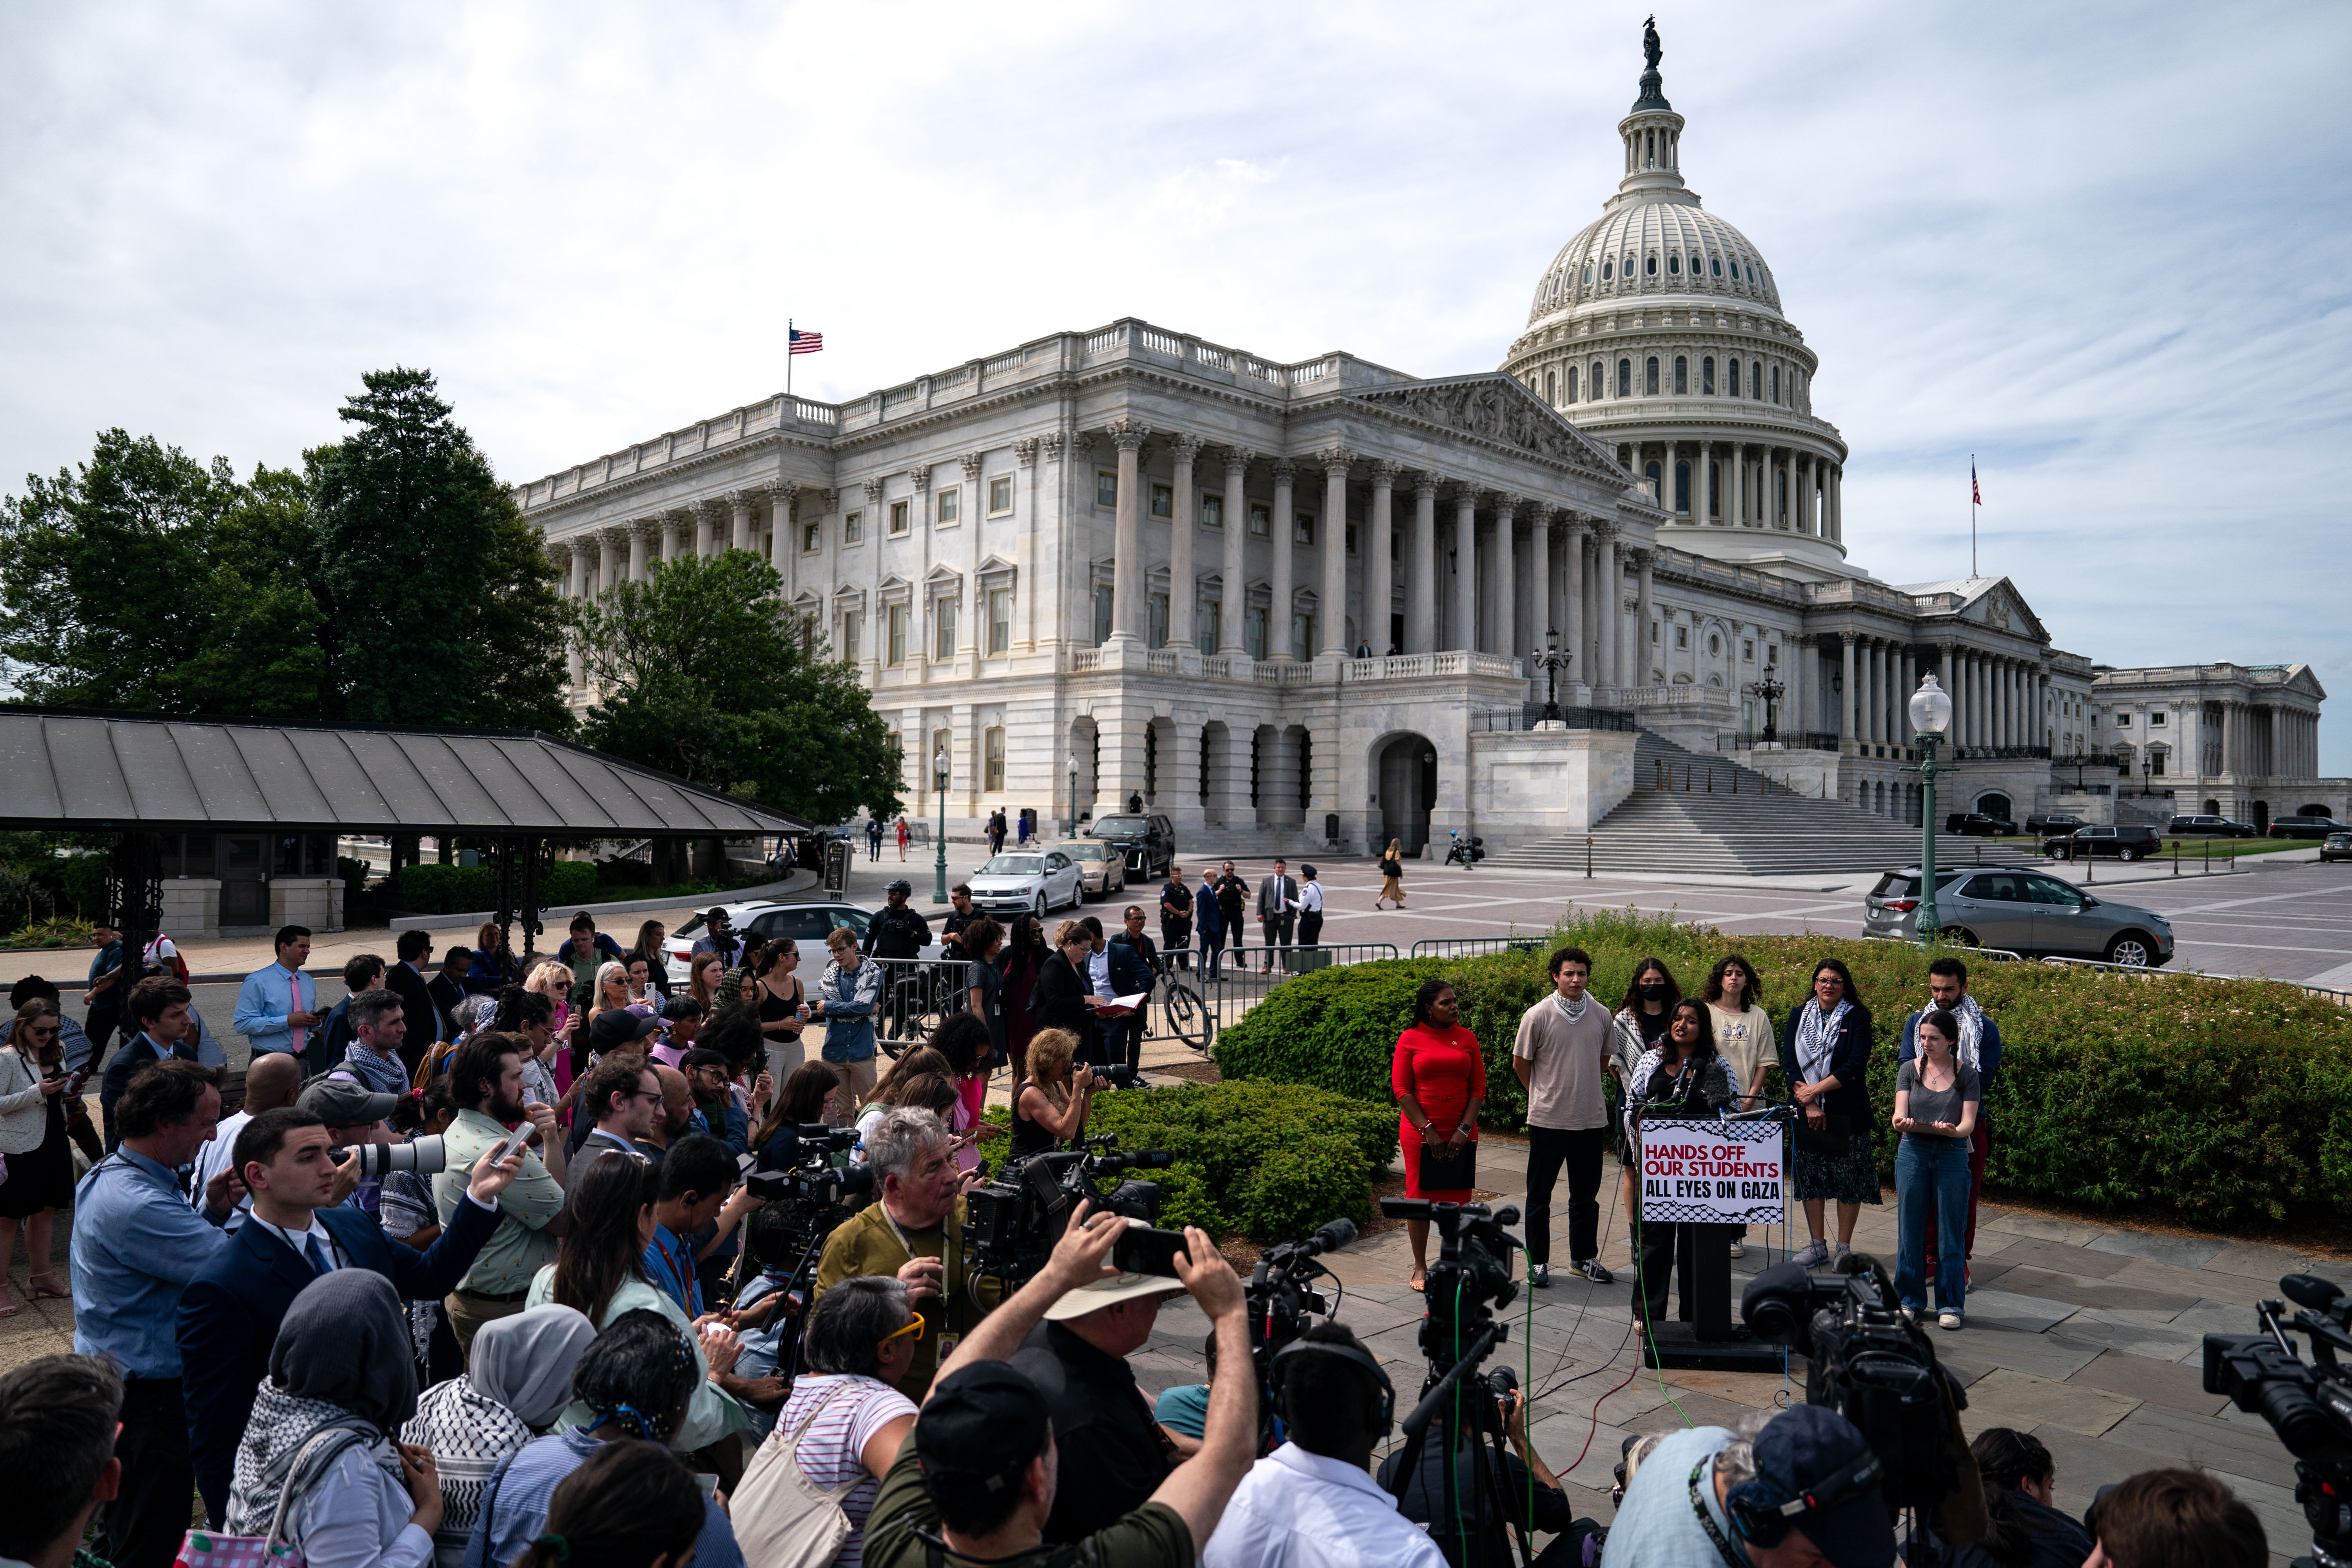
(295, 1035)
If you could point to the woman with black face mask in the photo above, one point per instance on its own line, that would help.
(1642, 1020)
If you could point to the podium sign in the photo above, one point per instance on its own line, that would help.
(1714, 1173)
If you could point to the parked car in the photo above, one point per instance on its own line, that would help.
(2023, 911)
(1103, 870)
(806, 924)
(1980, 824)
(2132, 841)
(1028, 882)
(2052, 824)
(2204, 826)
(1147, 842)
(2335, 846)
(2304, 826)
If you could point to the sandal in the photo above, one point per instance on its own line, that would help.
(1417, 1280)
(46, 1284)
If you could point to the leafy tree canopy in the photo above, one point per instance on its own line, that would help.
(707, 675)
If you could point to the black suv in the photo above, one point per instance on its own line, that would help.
(1149, 842)
(1979, 825)
(2132, 842)
(2203, 827)
(2304, 826)
(2056, 822)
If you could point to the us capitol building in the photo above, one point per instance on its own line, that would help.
(1297, 604)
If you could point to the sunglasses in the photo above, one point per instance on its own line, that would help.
(36, 1029)
(914, 1326)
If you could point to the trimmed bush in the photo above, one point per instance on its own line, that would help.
(451, 889)
(2226, 1100)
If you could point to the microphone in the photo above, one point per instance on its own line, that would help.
(1150, 1159)
(2309, 1290)
(1331, 1237)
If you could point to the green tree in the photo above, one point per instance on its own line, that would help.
(707, 676)
(440, 600)
(142, 579)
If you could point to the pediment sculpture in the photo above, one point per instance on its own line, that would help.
(1491, 410)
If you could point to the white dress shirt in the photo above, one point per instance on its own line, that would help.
(1310, 899)
(1298, 1510)
(299, 1241)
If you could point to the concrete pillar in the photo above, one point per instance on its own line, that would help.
(1232, 611)
(1645, 608)
(1503, 631)
(1379, 576)
(1127, 548)
(1333, 541)
(1845, 711)
(1284, 528)
(1421, 580)
(1120, 772)
(1573, 632)
(1183, 518)
(1278, 780)
(1543, 628)
(1464, 633)
(1608, 599)
(1229, 802)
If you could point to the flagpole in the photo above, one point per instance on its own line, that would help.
(1973, 504)
(788, 360)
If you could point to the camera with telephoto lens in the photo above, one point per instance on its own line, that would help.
(1868, 1361)
(815, 1193)
(1118, 1075)
(2307, 1403)
(426, 1154)
(1014, 1221)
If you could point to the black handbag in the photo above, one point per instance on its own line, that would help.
(1447, 1169)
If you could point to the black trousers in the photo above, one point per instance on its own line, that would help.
(1549, 1148)
(142, 1527)
(1654, 1262)
(1310, 927)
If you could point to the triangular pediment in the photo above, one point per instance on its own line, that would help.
(1494, 407)
(1992, 602)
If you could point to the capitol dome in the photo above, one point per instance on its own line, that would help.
(1655, 248)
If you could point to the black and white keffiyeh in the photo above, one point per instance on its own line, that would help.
(1972, 1025)
(471, 1435)
(1817, 1034)
(281, 1423)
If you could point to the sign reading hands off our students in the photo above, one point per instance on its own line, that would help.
(1713, 1173)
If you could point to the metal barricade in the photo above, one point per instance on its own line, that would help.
(1245, 975)
(916, 995)
(1473, 946)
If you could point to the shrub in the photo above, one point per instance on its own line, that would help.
(456, 890)
(2224, 1100)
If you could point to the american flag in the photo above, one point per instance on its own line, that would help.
(806, 343)
(1976, 493)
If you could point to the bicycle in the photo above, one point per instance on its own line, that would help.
(1186, 1016)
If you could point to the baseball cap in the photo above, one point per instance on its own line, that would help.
(1110, 1292)
(978, 1430)
(345, 1102)
(1798, 1449)
(618, 1028)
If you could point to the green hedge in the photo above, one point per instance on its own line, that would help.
(2226, 1101)
(447, 889)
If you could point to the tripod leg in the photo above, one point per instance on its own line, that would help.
(1486, 1434)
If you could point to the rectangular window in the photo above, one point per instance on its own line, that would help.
(1682, 636)
(2156, 765)
(852, 527)
(999, 620)
(898, 517)
(2156, 721)
(1571, 384)
(898, 634)
(992, 750)
(1260, 522)
(811, 536)
(1707, 376)
(2123, 720)
(943, 622)
(853, 623)
(1747, 650)
(1205, 627)
(1624, 378)
(1682, 375)
(1731, 377)
(1105, 488)
(950, 507)
(1163, 502)
(1253, 631)
(1771, 655)
(1156, 635)
(1000, 495)
(1302, 636)
(1776, 384)
(1102, 615)
(1212, 511)
(1302, 530)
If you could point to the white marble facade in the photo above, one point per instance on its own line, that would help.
(1141, 559)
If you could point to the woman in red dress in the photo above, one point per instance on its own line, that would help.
(1439, 1078)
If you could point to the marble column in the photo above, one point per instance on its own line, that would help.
(1646, 607)
(1902, 695)
(1421, 580)
(1463, 634)
(1127, 549)
(1333, 541)
(1572, 633)
(1837, 503)
(1845, 707)
(1608, 603)
(1379, 576)
(739, 536)
(1233, 607)
(1666, 479)
(1182, 520)
(1540, 629)
(1704, 472)
(640, 534)
(1502, 628)
(1283, 526)
(578, 587)
(1804, 675)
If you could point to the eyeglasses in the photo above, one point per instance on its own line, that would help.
(914, 1326)
(36, 1029)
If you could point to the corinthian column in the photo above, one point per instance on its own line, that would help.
(1421, 569)
(1380, 578)
(1181, 523)
(1845, 707)
(741, 537)
(1609, 601)
(1335, 551)
(1645, 607)
(1127, 548)
(1464, 634)
(640, 532)
(1572, 634)
(1282, 526)
(1538, 575)
(579, 584)
(1232, 609)
(1502, 583)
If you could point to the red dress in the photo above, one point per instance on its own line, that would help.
(1444, 1070)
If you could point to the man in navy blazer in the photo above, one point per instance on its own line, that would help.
(230, 1312)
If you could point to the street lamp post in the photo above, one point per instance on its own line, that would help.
(1771, 691)
(1072, 833)
(1931, 715)
(939, 868)
(1552, 661)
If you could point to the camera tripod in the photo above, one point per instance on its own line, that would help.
(1481, 1425)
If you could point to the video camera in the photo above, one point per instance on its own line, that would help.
(1280, 1301)
(815, 1193)
(1471, 1277)
(1014, 1220)
(1865, 1359)
(2307, 1403)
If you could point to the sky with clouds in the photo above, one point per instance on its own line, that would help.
(2102, 247)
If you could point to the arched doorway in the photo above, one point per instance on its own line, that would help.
(2317, 809)
(1406, 767)
(2261, 817)
(1994, 804)
(2211, 808)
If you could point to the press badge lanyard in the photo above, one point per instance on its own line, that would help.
(1731, 1557)
(947, 1342)
(688, 1286)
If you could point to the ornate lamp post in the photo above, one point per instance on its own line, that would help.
(1552, 661)
(1771, 691)
(1931, 715)
(939, 868)
(1072, 833)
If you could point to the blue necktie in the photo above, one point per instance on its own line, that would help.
(320, 1262)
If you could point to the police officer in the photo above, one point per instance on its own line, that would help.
(898, 931)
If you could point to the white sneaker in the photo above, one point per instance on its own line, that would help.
(1812, 1255)
(1949, 1320)
(1738, 1248)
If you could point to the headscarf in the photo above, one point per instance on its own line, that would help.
(474, 1015)
(341, 1360)
(525, 1362)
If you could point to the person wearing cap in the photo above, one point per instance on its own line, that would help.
(718, 936)
(486, 1083)
(1800, 1492)
(299, 1230)
(976, 1481)
(913, 1231)
(895, 931)
(1310, 908)
(352, 1115)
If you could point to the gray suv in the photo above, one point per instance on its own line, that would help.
(2024, 912)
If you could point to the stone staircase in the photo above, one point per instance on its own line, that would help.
(1695, 815)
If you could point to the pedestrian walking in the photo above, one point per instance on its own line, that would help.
(905, 834)
(104, 989)
(1391, 875)
(1211, 916)
(1028, 817)
(1310, 909)
(874, 838)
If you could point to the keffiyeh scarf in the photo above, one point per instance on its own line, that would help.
(1972, 1025)
(470, 1434)
(1817, 1034)
(274, 1434)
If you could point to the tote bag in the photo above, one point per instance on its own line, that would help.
(209, 1549)
(781, 1518)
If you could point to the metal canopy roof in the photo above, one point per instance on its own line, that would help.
(66, 770)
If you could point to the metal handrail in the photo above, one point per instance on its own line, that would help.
(1473, 946)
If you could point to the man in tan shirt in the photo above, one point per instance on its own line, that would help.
(1562, 1049)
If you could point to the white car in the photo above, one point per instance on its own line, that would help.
(806, 924)
(1027, 882)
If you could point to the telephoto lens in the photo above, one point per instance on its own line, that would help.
(426, 1154)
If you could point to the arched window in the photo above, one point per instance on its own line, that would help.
(1605, 269)
(1694, 264)
(1682, 488)
(1571, 384)
(1587, 275)
(1756, 380)
(1551, 390)
(1650, 266)
(1650, 470)
(1714, 489)
(1599, 383)
(1776, 384)
(1706, 375)
(1624, 378)
(1731, 372)
(1674, 265)
(1682, 375)
(1715, 266)
(1650, 377)
(1629, 265)
(1734, 272)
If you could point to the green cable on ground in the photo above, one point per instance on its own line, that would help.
(1649, 1330)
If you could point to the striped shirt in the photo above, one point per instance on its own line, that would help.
(830, 1450)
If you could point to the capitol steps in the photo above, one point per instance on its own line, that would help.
(1675, 824)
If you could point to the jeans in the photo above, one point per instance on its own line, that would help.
(1979, 1144)
(1931, 1194)
(1547, 1149)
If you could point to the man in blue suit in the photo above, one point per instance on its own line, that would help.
(230, 1312)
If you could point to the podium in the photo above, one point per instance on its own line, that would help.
(1708, 1178)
